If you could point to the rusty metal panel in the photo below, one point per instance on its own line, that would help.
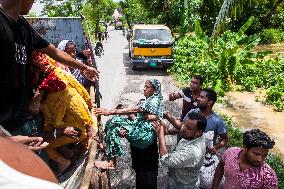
(55, 29)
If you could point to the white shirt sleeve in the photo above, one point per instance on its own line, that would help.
(13, 179)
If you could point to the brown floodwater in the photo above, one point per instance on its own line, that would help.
(247, 113)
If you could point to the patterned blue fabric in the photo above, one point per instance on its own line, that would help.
(80, 77)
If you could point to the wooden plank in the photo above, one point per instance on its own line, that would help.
(90, 165)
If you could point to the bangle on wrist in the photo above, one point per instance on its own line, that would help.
(54, 133)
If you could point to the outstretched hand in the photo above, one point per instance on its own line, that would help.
(91, 73)
(158, 127)
(33, 143)
(101, 111)
(151, 117)
(72, 132)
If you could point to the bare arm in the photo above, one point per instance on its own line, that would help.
(123, 111)
(151, 117)
(161, 136)
(64, 58)
(222, 142)
(174, 121)
(174, 95)
(219, 172)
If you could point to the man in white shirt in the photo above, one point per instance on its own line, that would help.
(185, 162)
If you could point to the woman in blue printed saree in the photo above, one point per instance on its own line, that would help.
(139, 132)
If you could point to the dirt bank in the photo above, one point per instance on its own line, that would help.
(248, 114)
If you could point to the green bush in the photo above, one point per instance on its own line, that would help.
(269, 36)
(229, 64)
(234, 133)
(277, 165)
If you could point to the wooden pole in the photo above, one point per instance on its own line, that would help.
(85, 183)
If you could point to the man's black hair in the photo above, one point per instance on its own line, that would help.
(210, 94)
(257, 138)
(201, 120)
(200, 78)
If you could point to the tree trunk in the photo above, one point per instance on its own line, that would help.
(185, 4)
(97, 18)
(266, 19)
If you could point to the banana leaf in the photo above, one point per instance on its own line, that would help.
(244, 28)
(247, 39)
(252, 44)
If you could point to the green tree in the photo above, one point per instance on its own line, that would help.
(233, 14)
(134, 12)
(32, 14)
(62, 8)
(96, 11)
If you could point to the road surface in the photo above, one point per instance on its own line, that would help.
(120, 84)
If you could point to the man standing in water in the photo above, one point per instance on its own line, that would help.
(245, 167)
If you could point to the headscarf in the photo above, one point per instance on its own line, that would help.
(62, 45)
(154, 103)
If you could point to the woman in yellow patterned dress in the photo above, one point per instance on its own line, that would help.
(66, 105)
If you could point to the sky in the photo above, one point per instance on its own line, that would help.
(37, 7)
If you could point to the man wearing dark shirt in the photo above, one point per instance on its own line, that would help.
(189, 95)
(17, 41)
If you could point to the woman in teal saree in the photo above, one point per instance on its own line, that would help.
(139, 132)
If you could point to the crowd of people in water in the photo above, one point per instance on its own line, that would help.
(47, 115)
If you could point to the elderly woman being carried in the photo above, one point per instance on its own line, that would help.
(139, 131)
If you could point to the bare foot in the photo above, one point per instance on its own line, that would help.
(104, 165)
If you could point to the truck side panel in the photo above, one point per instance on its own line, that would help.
(55, 29)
